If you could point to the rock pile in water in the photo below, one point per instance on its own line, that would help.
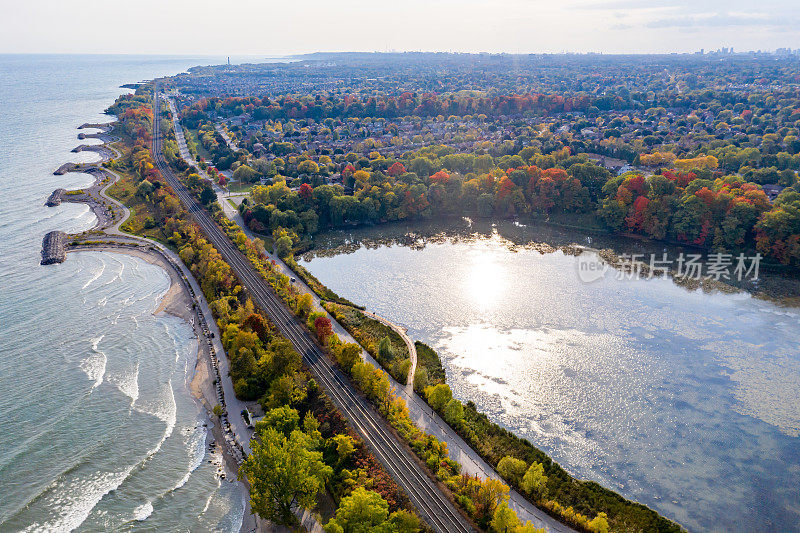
(54, 248)
(55, 198)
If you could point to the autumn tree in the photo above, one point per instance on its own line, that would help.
(365, 511)
(323, 328)
(511, 468)
(283, 472)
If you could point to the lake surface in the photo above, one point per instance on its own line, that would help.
(682, 400)
(98, 429)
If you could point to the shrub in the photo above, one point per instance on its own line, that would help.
(512, 469)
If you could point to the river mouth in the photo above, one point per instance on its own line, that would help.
(651, 388)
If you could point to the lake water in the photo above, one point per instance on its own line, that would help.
(98, 430)
(685, 401)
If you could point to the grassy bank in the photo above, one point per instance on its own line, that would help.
(382, 342)
(568, 499)
(428, 359)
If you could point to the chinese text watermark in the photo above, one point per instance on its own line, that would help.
(716, 266)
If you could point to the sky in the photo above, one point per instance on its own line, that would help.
(270, 28)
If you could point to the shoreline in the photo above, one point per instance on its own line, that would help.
(183, 299)
(178, 302)
(773, 286)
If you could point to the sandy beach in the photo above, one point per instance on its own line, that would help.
(178, 301)
(181, 300)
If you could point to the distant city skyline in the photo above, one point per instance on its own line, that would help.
(256, 27)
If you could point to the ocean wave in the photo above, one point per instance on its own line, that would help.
(127, 383)
(117, 275)
(94, 366)
(96, 275)
(141, 513)
(166, 410)
(208, 503)
(196, 448)
(77, 499)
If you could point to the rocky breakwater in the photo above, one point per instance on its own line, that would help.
(68, 167)
(105, 153)
(55, 198)
(54, 248)
(105, 127)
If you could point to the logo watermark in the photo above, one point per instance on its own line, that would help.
(591, 268)
(716, 266)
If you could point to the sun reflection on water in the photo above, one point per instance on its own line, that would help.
(485, 279)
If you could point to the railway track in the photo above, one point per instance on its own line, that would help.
(432, 504)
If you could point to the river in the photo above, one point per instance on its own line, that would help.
(684, 400)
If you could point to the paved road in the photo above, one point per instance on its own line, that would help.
(396, 458)
(421, 413)
(227, 137)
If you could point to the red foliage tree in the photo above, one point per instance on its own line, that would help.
(397, 169)
(305, 192)
(636, 216)
(440, 177)
(258, 325)
(323, 327)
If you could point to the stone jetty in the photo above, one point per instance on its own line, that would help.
(66, 167)
(54, 248)
(55, 198)
(106, 126)
(105, 153)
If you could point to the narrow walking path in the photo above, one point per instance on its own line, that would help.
(412, 349)
(421, 413)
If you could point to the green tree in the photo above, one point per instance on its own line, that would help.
(504, 519)
(207, 195)
(365, 511)
(454, 412)
(485, 205)
(534, 481)
(283, 246)
(439, 395)
(344, 446)
(244, 174)
(283, 472)
(599, 524)
(283, 419)
(348, 355)
(420, 378)
(512, 468)
(385, 349)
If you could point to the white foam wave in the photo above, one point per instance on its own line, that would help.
(128, 383)
(94, 366)
(84, 496)
(96, 275)
(117, 275)
(196, 448)
(142, 512)
(208, 502)
(166, 410)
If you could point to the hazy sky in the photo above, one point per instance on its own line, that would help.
(267, 27)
